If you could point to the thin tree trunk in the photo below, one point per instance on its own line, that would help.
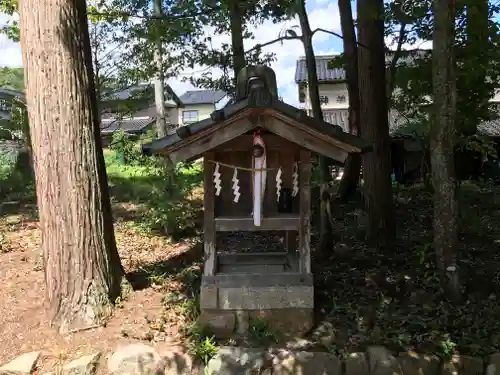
(374, 124)
(238, 48)
(161, 125)
(352, 169)
(442, 142)
(313, 88)
(82, 267)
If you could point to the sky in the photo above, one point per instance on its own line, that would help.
(322, 14)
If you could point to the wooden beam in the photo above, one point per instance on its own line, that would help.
(211, 138)
(281, 222)
(245, 142)
(322, 130)
(304, 139)
(209, 222)
(305, 212)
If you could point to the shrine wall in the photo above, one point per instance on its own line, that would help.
(280, 154)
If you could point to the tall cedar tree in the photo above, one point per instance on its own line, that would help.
(352, 168)
(442, 142)
(82, 267)
(374, 123)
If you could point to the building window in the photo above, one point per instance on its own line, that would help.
(341, 99)
(189, 116)
(4, 105)
(323, 99)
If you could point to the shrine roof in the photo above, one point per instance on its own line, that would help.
(247, 114)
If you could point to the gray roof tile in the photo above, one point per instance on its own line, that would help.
(9, 92)
(202, 96)
(324, 74)
(127, 125)
(328, 75)
(143, 91)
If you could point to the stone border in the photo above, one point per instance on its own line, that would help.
(141, 359)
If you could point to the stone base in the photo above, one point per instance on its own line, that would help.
(289, 322)
(231, 302)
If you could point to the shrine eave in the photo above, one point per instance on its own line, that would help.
(224, 119)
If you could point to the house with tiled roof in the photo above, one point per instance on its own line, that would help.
(133, 110)
(199, 104)
(335, 99)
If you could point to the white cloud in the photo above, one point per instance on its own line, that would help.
(325, 15)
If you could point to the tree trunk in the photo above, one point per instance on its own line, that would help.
(238, 48)
(374, 124)
(442, 142)
(352, 169)
(82, 267)
(313, 88)
(161, 125)
(477, 49)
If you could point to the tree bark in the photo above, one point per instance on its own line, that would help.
(161, 125)
(313, 88)
(374, 123)
(442, 142)
(477, 49)
(238, 49)
(352, 168)
(82, 267)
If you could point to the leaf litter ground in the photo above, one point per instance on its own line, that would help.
(364, 296)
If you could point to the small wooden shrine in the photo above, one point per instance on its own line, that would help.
(257, 167)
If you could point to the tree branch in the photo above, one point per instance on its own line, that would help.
(394, 62)
(280, 39)
(337, 35)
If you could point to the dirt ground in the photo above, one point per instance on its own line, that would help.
(366, 295)
(24, 326)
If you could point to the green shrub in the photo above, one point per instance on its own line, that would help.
(169, 211)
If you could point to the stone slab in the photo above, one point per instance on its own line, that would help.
(241, 280)
(264, 298)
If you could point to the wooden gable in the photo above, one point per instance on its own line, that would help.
(318, 137)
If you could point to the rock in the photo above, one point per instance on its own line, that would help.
(181, 364)
(218, 322)
(493, 367)
(417, 364)
(382, 362)
(239, 361)
(83, 366)
(356, 364)
(24, 364)
(136, 359)
(460, 364)
(325, 333)
(305, 363)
